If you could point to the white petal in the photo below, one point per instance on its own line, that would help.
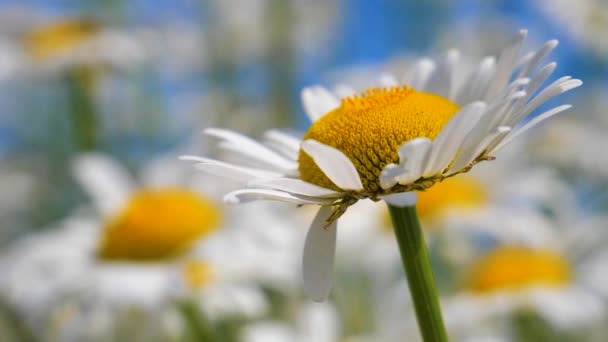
(440, 83)
(104, 180)
(318, 101)
(388, 80)
(227, 170)
(514, 114)
(531, 124)
(558, 87)
(388, 176)
(452, 137)
(537, 58)
(490, 120)
(505, 65)
(294, 186)
(284, 142)
(420, 73)
(334, 164)
(469, 153)
(249, 195)
(343, 91)
(413, 156)
(401, 200)
(250, 148)
(476, 86)
(318, 256)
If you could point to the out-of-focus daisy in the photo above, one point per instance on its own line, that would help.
(316, 322)
(552, 276)
(80, 42)
(386, 142)
(147, 246)
(585, 21)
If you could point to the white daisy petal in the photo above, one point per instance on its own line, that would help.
(452, 137)
(227, 170)
(558, 87)
(343, 91)
(250, 148)
(537, 58)
(418, 76)
(477, 84)
(401, 200)
(294, 186)
(249, 195)
(283, 142)
(490, 120)
(441, 81)
(542, 117)
(318, 101)
(334, 164)
(505, 65)
(388, 176)
(513, 116)
(413, 155)
(470, 152)
(318, 256)
(388, 80)
(104, 180)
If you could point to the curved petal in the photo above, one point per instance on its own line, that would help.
(104, 180)
(403, 199)
(227, 170)
(452, 137)
(412, 156)
(318, 256)
(318, 101)
(336, 166)
(249, 195)
(252, 149)
(295, 186)
(542, 117)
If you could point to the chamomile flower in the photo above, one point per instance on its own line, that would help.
(79, 42)
(553, 276)
(386, 142)
(147, 246)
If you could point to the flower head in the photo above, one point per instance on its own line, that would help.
(386, 142)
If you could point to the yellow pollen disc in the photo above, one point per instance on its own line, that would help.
(197, 274)
(59, 38)
(158, 224)
(462, 192)
(516, 268)
(370, 128)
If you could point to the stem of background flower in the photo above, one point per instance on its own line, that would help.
(80, 82)
(418, 272)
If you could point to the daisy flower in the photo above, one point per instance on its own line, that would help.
(384, 143)
(79, 42)
(557, 276)
(157, 242)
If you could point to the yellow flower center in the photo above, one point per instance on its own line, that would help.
(516, 268)
(158, 224)
(462, 192)
(58, 38)
(370, 128)
(197, 274)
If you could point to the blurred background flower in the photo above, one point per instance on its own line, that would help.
(105, 236)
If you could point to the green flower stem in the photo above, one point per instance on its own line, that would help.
(419, 274)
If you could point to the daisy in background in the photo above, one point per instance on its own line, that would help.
(518, 284)
(385, 142)
(555, 278)
(146, 246)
